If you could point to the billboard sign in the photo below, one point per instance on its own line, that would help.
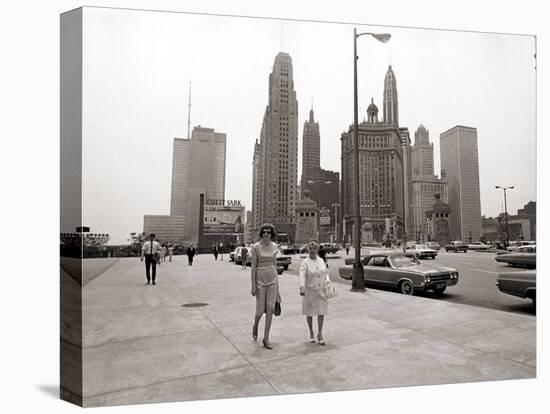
(223, 216)
(324, 216)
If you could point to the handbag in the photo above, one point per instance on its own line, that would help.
(277, 310)
(330, 290)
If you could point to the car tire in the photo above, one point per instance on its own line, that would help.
(440, 291)
(406, 287)
(286, 267)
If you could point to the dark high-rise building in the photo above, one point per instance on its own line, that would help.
(276, 193)
(384, 177)
(459, 158)
(311, 157)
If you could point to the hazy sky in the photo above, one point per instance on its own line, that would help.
(137, 66)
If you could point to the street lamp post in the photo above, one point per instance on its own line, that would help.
(505, 212)
(336, 205)
(358, 277)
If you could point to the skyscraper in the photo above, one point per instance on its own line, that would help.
(459, 158)
(425, 185)
(278, 163)
(198, 167)
(311, 154)
(384, 149)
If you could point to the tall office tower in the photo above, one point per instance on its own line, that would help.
(198, 167)
(391, 107)
(256, 190)
(311, 157)
(383, 178)
(425, 185)
(459, 158)
(279, 150)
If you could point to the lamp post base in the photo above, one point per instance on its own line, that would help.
(358, 278)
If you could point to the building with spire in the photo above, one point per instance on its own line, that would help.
(276, 193)
(323, 186)
(384, 172)
(425, 185)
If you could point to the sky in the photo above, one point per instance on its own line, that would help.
(137, 68)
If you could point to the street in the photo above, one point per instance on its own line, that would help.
(477, 284)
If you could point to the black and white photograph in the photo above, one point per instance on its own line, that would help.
(293, 206)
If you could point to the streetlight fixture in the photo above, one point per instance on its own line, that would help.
(507, 242)
(358, 277)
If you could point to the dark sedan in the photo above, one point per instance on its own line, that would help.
(526, 256)
(404, 272)
(521, 284)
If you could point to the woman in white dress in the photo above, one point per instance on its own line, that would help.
(313, 276)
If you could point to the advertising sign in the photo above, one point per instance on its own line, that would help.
(223, 216)
(324, 216)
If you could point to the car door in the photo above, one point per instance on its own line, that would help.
(378, 271)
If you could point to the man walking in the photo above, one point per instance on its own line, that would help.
(170, 252)
(150, 251)
(190, 254)
(215, 250)
(221, 251)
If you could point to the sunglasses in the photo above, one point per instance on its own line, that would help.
(267, 232)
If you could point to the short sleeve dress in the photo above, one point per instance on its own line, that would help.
(313, 275)
(267, 284)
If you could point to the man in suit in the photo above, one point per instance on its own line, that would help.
(150, 251)
(191, 254)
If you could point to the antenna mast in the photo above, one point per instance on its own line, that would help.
(189, 114)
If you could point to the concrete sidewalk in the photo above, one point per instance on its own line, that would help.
(141, 345)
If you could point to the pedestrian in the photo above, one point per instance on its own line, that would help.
(163, 253)
(215, 250)
(347, 249)
(323, 254)
(265, 283)
(221, 252)
(313, 277)
(190, 254)
(150, 251)
(170, 252)
(244, 256)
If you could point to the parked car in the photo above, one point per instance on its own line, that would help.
(238, 256)
(422, 251)
(479, 246)
(404, 272)
(233, 254)
(330, 247)
(286, 249)
(283, 260)
(515, 245)
(522, 284)
(456, 246)
(525, 256)
(434, 245)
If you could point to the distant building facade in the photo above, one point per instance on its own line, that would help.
(424, 183)
(276, 194)
(459, 158)
(384, 165)
(168, 229)
(438, 222)
(198, 166)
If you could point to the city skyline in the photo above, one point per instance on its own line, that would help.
(130, 102)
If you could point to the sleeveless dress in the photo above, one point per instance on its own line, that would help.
(313, 275)
(267, 284)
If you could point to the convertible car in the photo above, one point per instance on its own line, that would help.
(404, 272)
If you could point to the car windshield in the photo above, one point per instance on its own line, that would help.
(403, 261)
(421, 246)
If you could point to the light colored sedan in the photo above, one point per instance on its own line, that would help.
(421, 251)
(404, 272)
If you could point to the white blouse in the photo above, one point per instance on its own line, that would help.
(313, 273)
